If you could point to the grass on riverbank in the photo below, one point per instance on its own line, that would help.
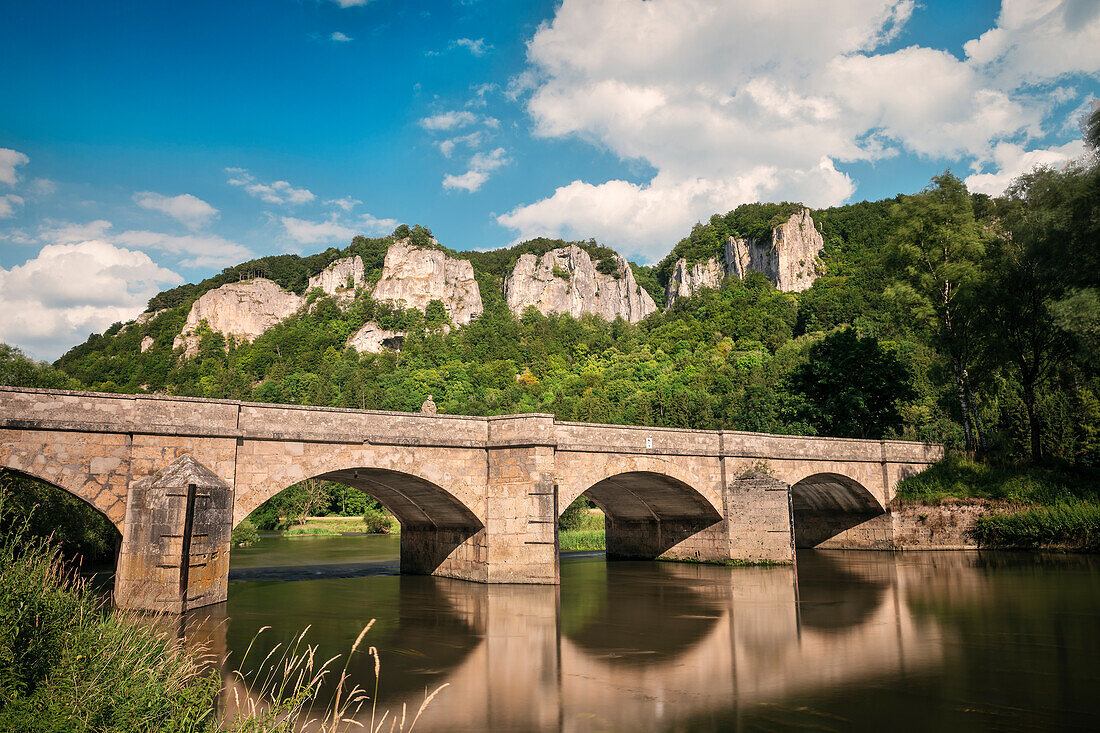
(582, 540)
(1068, 526)
(1038, 508)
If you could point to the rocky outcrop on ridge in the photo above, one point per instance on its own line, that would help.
(242, 309)
(341, 278)
(786, 256)
(374, 339)
(565, 280)
(686, 280)
(413, 277)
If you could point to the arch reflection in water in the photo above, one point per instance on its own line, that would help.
(626, 645)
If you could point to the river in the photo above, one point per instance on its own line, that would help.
(843, 641)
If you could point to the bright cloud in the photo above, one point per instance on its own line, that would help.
(476, 47)
(1013, 161)
(351, 3)
(347, 203)
(69, 291)
(481, 165)
(8, 204)
(193, 250)
(191, 211)
(769, 116)
(9, 161)
(449, 120)
(1036, 40)
(340, 37)
(278, 192)
(334, 230)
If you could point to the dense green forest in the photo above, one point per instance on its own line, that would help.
(940, 315)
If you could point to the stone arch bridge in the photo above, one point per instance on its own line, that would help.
(478, 497)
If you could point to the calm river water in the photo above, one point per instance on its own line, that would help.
(844, 641)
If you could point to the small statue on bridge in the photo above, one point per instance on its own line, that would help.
(428, 408)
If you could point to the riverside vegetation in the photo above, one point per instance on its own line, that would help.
(69, 663)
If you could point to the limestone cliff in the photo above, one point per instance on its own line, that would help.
(685, 281)
(413, 277)
(371, 338)
(341, 278)
(786, 256)
(243, 309)
(565, 280)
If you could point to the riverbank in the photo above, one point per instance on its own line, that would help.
(964, 502)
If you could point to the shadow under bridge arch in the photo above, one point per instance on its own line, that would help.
(828, 504)
(650, 514)
(433, 522)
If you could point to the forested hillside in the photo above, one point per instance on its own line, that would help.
(938, 316)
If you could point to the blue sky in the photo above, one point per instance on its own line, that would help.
(147, 144)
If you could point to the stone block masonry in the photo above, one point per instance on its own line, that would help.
(478, 497)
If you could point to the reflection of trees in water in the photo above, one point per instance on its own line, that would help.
(420, 634)
(636, 612)
(836, 591)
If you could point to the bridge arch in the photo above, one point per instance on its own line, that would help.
(93, 544)
(435, 524)
(649, 513)
(827, 504)
(44, 467)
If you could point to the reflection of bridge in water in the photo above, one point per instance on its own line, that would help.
(627, 646)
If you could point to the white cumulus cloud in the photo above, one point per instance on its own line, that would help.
(192, 250)
(340, 37)
(191, 211)
(69, 291)
(277, 192)
(8, 204)
(1013, 161)
(334, 230)
(448, 120)
(9, 161)
(481, 165)
(476, 47)
(804, 87)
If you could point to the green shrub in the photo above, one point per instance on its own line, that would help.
(378, 521)
(244, 534)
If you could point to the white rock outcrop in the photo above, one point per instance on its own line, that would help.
(413, 277)
(786, 256)
(243, 310)
(147, 343)
(341, 278)
(565, 280)
(685, 281)
(373, 339)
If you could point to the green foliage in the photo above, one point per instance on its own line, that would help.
(19, 370)
(244, 534)
(379, 521)
(577, 516)
(582, 540)
(852, 387)
(1074, 526)
(560, 272)
(68, 664)
(958, 476)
